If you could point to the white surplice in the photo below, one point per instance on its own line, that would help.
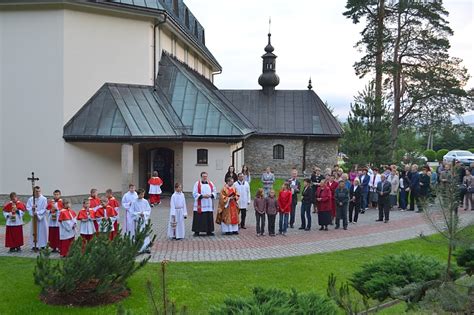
(207, 204)
(42, 222)
(67, 228)
(127, 200)
(179, 211)
(141, 209)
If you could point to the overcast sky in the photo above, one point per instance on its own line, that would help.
(311, 38)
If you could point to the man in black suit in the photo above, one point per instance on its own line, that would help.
(383, 191)
(355, 197)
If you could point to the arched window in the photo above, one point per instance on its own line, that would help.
(202, 156)
(186, 17)
(278, 152)
(176, 7)
(195, 28)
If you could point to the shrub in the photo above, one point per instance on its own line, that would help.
(430, 155)
(465, 259)
(471, 150)
(94, 275)
(274, 301)
(440, 154)
(377, 278)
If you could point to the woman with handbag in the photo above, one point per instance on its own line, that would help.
(468, 181)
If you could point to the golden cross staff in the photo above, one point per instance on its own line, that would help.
(33, 179)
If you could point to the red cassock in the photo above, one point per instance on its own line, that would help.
(82, 215)
(116, 205)
(14, 234)
(53, 231)
(155, 198)
(94, 203)
(333, 187)
(110, 212)
(65, 244)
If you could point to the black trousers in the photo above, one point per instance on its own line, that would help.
(414, 199)
(354, 208)
(271, 224)
(294, 201)
(384, 208)
(260, 222)
(243, 215)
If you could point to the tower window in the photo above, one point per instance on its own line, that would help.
(203, 38)
(202, 157)
(195, 28)
(278, 152)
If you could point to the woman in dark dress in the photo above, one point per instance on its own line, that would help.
(324, 199)
(231, 173)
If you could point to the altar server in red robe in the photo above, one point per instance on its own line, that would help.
(94, 202)
(54, 206)
(103, 214)
(154, 192)
(113, 202)
(67, 228)
(13, 212)
(86, 217)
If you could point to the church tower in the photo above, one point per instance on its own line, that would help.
(269, 79)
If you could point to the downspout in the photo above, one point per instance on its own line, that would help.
(234, 152)
(215, 73)
(155, 26)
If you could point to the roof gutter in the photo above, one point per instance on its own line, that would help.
(154, 49)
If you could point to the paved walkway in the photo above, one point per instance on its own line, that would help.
(247, 246)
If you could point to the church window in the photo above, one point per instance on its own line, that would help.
(186, 18)
(202, 157)
(203, 38)
(195, 28)
(278, 152)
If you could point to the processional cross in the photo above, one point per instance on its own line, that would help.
(33, 179)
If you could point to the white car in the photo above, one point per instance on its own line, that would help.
(465, 157)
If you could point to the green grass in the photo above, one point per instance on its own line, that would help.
(26, 218)
(255, 184)
(200, 285)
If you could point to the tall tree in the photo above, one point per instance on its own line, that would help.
(373, 38)
(363, 133)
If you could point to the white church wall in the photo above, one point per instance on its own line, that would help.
(32, 99)
(219, 159)
(2, 131)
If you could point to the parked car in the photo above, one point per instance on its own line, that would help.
(465, 157)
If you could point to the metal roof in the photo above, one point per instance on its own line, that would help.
(182, 106)
(285, 112)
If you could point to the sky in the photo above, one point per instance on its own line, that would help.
(311, 38)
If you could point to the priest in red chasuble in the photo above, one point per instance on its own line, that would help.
(228, 209)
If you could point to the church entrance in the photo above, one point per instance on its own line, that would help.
(162, 161)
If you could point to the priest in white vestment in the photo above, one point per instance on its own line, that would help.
(204, 193)
(38, 210)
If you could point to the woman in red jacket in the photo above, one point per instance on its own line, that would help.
(324, 198)
(284, 203)
(332, 185)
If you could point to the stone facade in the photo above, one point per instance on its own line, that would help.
(259, 154)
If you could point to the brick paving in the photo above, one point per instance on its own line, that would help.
(247, 246)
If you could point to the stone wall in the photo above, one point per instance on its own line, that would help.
(259, 155)
(321, 153)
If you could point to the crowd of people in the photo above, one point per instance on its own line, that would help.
(338, 198)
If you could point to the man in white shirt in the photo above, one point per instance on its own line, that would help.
(38, 209)
(127, 201)
(374, 181)
(243, 190)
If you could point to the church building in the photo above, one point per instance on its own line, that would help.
(102, 93)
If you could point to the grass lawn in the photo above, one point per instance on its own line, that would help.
(255, 184)
(200, 285)
(26, 218)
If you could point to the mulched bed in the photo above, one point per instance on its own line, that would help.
(83, 296)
